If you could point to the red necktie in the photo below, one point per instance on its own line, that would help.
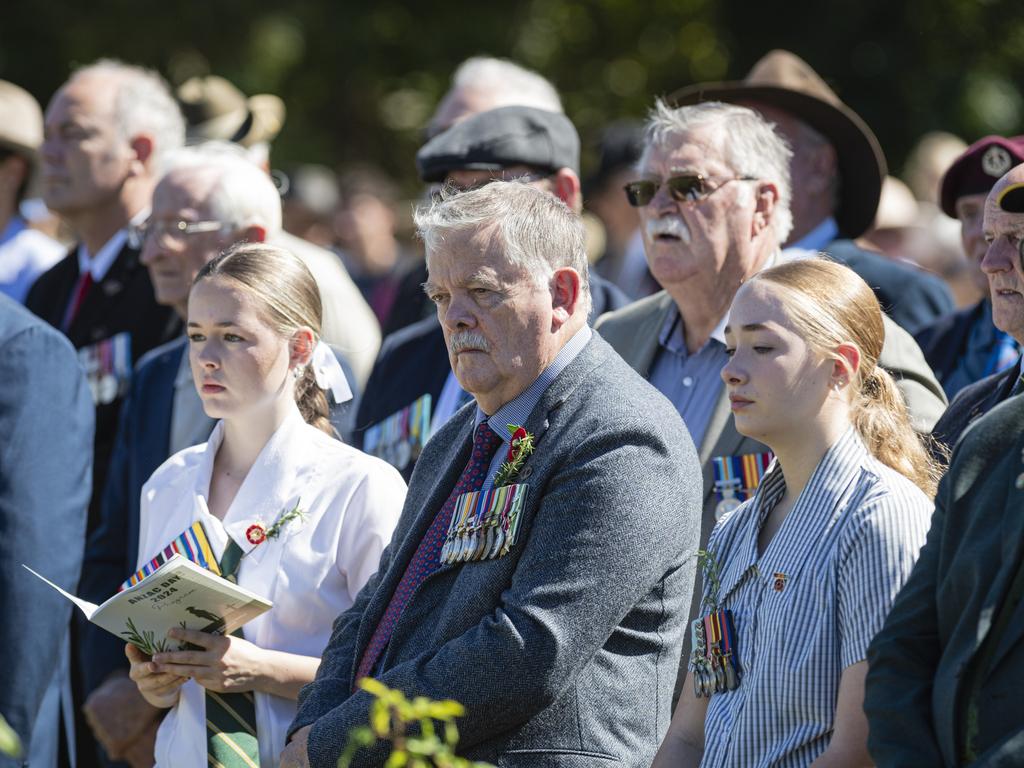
(80, 292)
(427, 557)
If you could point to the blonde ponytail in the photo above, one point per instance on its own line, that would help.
(880, 416)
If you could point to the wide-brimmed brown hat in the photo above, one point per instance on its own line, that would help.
(21, 126)
(784, 80)
(215, 110)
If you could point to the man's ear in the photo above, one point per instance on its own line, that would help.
(565, 295)
(300, 346)
(766, 197)
(254, 233)
(142, 148)
(566, 187)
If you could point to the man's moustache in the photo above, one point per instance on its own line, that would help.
(468, 340)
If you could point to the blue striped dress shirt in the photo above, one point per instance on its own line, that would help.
(517, 410)
(808, 607)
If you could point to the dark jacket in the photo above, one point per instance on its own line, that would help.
(915, 697)
(972, 403)
(909, 296)
(121, 302)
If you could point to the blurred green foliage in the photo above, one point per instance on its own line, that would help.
(422, 732)
(361, 79)
(10, 745)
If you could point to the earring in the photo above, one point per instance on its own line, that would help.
(297, 372)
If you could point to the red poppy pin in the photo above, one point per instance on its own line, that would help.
(256, 534)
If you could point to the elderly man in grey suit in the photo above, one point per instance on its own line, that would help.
(713, 192)
(558, 625)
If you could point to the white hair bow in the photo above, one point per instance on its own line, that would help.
(329, 374)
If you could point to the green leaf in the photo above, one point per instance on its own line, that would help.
(380, 718)
(398, 759)
(10, 744)
(373, 687)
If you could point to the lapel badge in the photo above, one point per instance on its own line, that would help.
(112, 287)
(1020, 482)
(779, 581)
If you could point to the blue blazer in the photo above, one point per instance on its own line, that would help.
(47, 420)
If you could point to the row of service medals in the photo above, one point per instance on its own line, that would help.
(399, 439)
(737, 478)
(108, 367)
(714, 658)
(484, 524)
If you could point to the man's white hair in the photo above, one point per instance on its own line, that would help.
(509, 83)
(143, 104)
(749, 144)
(539, 232)
(243, 195)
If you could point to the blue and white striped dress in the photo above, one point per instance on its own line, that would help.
(809, 606)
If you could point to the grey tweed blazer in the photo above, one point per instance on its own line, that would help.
(564, 651)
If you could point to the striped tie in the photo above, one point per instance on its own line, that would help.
(426, 559)
(231, 717)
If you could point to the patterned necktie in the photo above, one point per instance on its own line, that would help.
(427, 557)
(231, 717)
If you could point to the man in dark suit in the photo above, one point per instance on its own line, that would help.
(562, 641)
(539, 146)
(722, 223)
(944, 674)
(837, 171)
(46, 420)
(106, 132)
(1003, 222)
(964, 346)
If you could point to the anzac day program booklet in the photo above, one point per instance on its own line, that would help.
(177, 594)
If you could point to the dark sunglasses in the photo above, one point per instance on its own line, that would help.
(690, 188)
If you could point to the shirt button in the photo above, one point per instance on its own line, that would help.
(687, 381)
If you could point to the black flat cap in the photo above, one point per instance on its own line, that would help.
(500, 138)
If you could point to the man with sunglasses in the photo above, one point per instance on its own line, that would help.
(837, 168)
(1003, 230)
(534, 146)
(713, 193)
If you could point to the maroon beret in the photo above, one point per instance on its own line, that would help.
(978, 169)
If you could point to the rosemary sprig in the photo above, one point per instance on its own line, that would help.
(522, 447)
(144, 640)
(283, 519)
(712, 574)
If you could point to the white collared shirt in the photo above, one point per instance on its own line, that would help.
(312, 572)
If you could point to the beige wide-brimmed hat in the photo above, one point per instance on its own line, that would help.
(215, 110)
(21, 120)
(784, 80)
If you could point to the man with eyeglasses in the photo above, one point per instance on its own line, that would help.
(209, 198)
(534, 146)
(713, 193)
(1003, 231)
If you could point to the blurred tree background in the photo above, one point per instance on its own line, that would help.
(360, 80)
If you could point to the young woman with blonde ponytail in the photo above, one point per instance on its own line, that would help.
(291, 513)
(802, 575)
